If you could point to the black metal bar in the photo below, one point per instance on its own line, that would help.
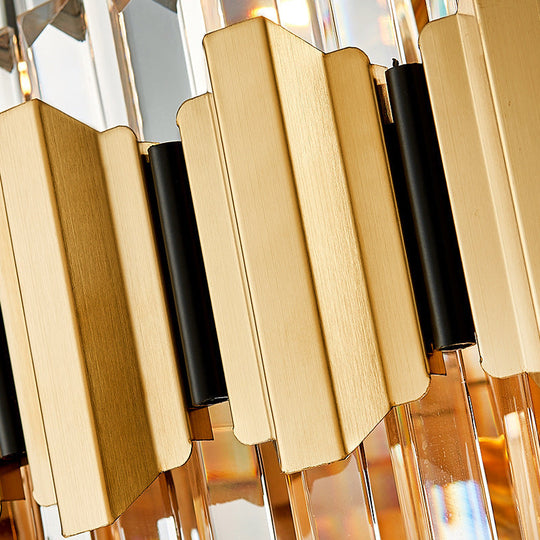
(440, 259)
(185, 265)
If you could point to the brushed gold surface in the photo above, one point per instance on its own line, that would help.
(377, 222)
(23, 369)
(96, 318)
(483, 85)
(311, 331)
(222, 252)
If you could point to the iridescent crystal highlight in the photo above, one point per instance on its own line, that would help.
(441, 428)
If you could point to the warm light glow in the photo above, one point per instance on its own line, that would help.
(25, 80)
(267, 12)
(291, 13)
(294, 13)
(386, 30)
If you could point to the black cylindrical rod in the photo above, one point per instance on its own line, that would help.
(185, 265)
(432, 215)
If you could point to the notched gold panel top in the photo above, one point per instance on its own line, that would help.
(301, 242)
(97, 328)
(484, 85)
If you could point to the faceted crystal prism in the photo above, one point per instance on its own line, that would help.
(340, 499)
(151, 63)
(237, 496)
(327, 24)
(61, 62)
(107, 63)
(447, 457)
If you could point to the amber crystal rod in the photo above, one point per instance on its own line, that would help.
(515, 409)
(335, 500)
(447, 457)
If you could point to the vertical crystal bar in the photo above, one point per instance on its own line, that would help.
(152, 63)
(339, 501)
(514, 404)
(312, 20)
(57, 47)
(327, 24)
(368, 26)
(442, 429)
(237, 498)
(150, 516)
(276, 487)
(107, 62)
(404, 458)
(493, 447)
(304, 523)
(189, 496)
(174, 506)
(406, 30)
(393, 519)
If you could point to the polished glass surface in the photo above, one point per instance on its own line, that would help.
(338, 496)
(442, 430)
(326, 24)
(393, 521)
(493, 447)
(151, 64)
(237, 498)
(107, 62)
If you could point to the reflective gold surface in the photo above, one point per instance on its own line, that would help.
(484, 84)
(292, 220)
(94, 308)
(23, 368)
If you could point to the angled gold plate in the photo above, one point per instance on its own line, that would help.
(97, 323)
(308, 276)
(23, 369)
(484, 84)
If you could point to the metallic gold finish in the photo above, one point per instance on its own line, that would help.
(484, 85)
(23, 369)
(224, 270)
(301, 242)
(96, 318)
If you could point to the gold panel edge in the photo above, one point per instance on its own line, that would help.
(156, 351)
(227, 282)
(213, 49)
(23, 368)
(508, 36)
(389, 286)
(71, 523)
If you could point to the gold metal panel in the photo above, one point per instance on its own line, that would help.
(23, 369)
(377, 222)
(509, 33)
(275, 256)
(222, 252)
(95, 312)
(493, 233)
(294, 253)
(143, 284)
